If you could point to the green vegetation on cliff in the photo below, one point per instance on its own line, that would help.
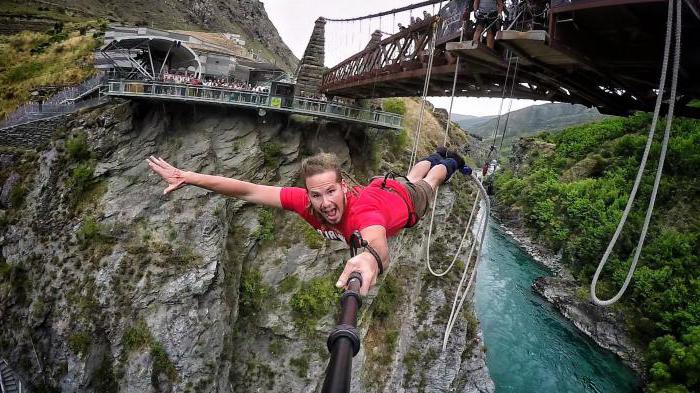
(29, 60)
(572, 197)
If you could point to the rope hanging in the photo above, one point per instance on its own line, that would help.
(459, 300)
(414, 148)
(510, 106)
(432, 212)
(454, 313)
(426, 84)
(500, 106)
(640, 172)
(392, 11)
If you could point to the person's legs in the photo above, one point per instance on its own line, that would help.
(477, 33)
(490, 39)
(436, 176)
(419, 170)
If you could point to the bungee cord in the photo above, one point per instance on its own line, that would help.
(645, 156)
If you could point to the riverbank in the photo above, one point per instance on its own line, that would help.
(605, 326)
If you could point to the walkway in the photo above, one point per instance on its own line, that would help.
(253, 100)
(9, 383)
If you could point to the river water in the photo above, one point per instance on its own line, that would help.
(530, 346)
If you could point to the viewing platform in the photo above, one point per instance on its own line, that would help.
(261, 101)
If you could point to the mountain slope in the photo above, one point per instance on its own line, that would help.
(530, 120)
(245, 17)
(469, 121)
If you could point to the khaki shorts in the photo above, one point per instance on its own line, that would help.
(421, 195)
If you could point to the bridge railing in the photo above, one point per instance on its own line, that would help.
(302, 105)
(330, 107)
(400, 51)
(37, 111)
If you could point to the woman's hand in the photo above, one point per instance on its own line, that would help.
(365, 264)
(172, 175)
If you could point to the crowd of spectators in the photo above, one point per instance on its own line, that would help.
(333, 100)
(212, 82)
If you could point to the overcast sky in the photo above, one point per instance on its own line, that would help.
(295, 21)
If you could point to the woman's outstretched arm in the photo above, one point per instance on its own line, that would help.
(250, 192)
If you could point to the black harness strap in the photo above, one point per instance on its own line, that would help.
(412, 216)
(357, 241)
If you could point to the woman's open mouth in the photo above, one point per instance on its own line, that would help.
(331, 214)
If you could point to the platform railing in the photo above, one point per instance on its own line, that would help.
(264, 100)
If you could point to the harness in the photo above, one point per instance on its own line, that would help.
(412, 219)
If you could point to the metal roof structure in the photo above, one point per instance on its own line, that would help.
(150, 55)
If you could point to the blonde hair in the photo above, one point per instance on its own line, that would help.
(320, 163)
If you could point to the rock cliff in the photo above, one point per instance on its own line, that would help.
(107, 285)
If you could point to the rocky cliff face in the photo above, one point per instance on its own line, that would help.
(109, 286)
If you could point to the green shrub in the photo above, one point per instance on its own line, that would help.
(79, 343)
(312, 238)
(81, 176)
(300, 365)
(5, 270)
(103, 378)
(162, 363)
(396, 141)
(384, 305)
(288, 284)
(253, 293)
(23, 72)
(58, 37)
(314, 300)
(266, 230)
(136, 337)
(89, 230)
(272, 151)
(392, 338)
(394, 105)
(17, 196)
(77, 147)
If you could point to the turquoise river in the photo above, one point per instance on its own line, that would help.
(530, 346)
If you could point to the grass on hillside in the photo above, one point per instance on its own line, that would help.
(17, 9)
(432, 132)
(29, 60)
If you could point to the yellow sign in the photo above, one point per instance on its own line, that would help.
(276, 102)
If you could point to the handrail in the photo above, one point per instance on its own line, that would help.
(12, 375)
(2, 385)
(254, 99)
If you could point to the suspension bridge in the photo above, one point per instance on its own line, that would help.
(603, 53)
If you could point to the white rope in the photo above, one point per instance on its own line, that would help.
(461, 243)
(414, 149)
(426, 84)
(652, 200)
(437, 190)
(459, 300)
(481, 232)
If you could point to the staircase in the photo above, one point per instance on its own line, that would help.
(9, 382)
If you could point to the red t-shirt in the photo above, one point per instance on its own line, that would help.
(369, 206)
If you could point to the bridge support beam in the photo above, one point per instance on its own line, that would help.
(311, 68)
